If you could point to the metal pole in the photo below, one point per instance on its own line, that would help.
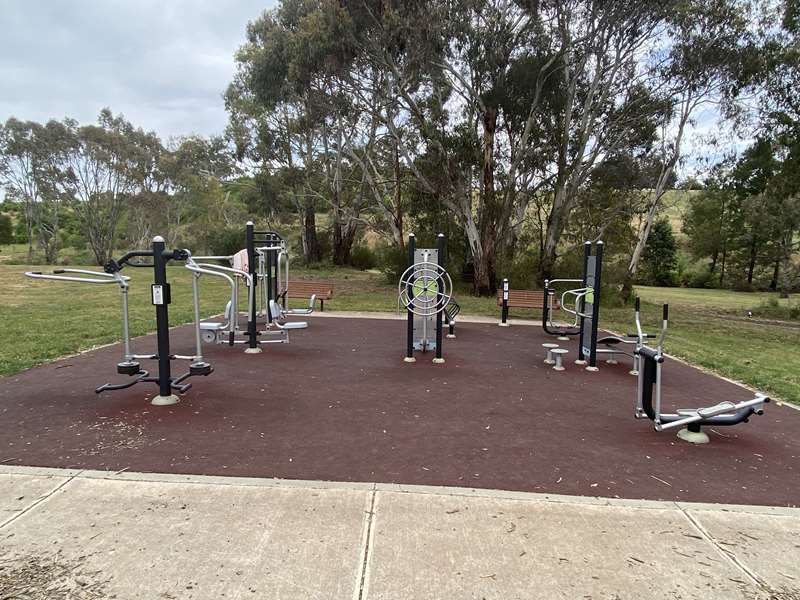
(410, 315)
(161, 299)
(504, 315)
(126, 335)
(596, 284)
(198, 340)
(252, 325)
(587, 253)
(441, 246)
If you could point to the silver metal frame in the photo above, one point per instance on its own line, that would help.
(123, 281)
(549, 300)
(222, 271)
(683, 416)
(423, 270)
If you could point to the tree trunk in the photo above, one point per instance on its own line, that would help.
(786, 259)
(773, 284)
(311, 247)
(751, 264)
(485, 279)
(397, 229)
(344, 234)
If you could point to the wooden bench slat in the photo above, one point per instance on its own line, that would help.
(305, 289)
(523, 298)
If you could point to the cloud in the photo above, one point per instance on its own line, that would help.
(163, 64)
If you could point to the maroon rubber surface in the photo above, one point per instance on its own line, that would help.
(338, 403)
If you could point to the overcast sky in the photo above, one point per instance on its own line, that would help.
(164, 64)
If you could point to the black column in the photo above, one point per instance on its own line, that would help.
(587, 253)
(161, 299)
(504, 316)
(252, 293)
(412, 245)
(441, 246)
(598, 270)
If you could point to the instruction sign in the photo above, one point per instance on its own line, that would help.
(158, 294)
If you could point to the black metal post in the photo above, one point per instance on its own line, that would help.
(252, 325)
(410, 290)
(441, 246)
(596, 281)
(267, 255)
(161, 300)
(504, 315)
(587, 253)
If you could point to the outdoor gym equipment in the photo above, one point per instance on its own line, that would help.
(616, 344)
(585, 303)
(261, 263)
(648, 397)
(425, 290)
(160, 298)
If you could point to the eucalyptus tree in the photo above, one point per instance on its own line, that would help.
(32, 170)
(276, 109)
(106, 165)
(708, 46)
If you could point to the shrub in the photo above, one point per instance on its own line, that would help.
(521, 272)
(224, 242)
(362, 258)
(660, 255)
(697, 278)
(391, 260)
(6, 230)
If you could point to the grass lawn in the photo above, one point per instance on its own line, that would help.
(717, 300)
(44, 320)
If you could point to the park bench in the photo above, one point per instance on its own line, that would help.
(520, 299)
(305, 289)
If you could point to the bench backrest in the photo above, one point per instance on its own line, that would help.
(522, 298)
(304, 289)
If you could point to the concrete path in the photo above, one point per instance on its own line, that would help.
(79, 535)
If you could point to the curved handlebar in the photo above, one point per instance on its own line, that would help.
(98, 277)
(212, 269)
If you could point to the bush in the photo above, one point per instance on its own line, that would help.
(225, 242)
(391, 260)
(660, 255)
(697, 277)
(6, 230)
(362, 258)
(772, 309)
(522, 272)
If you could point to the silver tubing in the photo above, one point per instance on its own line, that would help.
(285, 289)
(549, 282)
(578, 293)
(549, 300)
(106, 277)
(221, 271)
(709, 412)
(657, 407)
(639, 409)
(126, 335)
(196, 293)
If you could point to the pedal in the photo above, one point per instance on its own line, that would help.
(711, 411)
